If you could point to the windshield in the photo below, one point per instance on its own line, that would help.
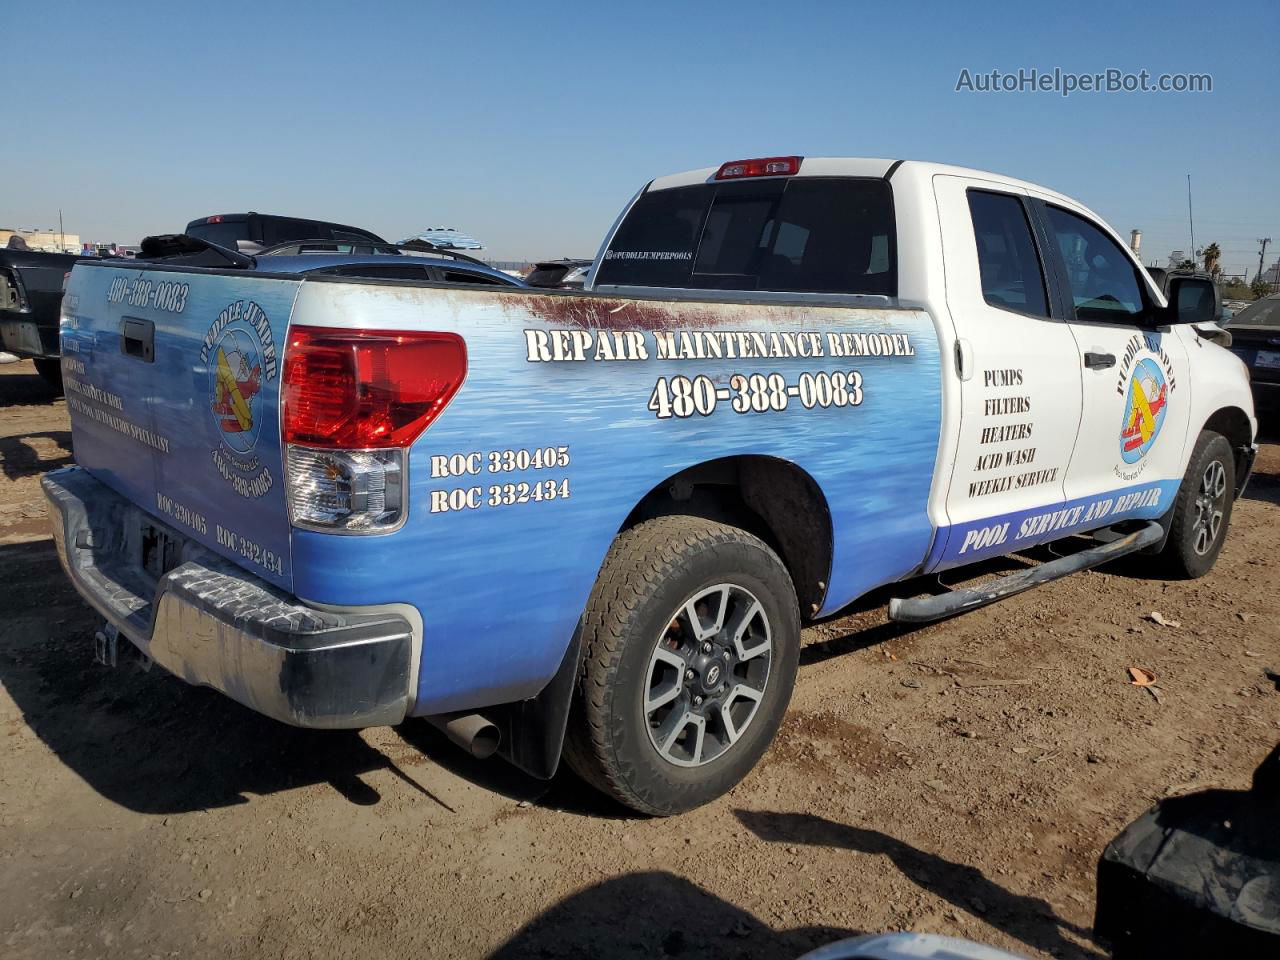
(1260, 313)
(815, 234)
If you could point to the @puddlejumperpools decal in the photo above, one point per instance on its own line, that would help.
(240, 355)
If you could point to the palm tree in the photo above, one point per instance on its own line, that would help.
(1211, 254)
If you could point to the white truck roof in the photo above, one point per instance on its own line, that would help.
(921, 170)
(858, 167)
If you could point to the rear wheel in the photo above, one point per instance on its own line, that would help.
(691, 642)
(1202, 510)
(50, 370)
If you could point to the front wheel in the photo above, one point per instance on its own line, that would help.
(691, 643)
(1202, 511)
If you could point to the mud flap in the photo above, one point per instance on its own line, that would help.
(533, 730)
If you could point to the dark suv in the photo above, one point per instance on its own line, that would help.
(251, 232)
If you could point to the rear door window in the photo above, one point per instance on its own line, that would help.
(819, 235)
(1007, 260)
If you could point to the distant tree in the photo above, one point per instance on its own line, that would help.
(1211, 255)
(1186, 265)
(1236, 290)
(1260, 288)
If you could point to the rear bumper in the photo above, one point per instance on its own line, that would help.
(213, 624)
(21, 335)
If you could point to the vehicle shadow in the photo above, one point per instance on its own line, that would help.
(153, 744)
(1264, 487)
(1027, 919)
(640, 916)
(869, 629)
(565, 792)
(19, 389)
(19, 459)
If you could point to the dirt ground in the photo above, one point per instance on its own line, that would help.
(959, 778)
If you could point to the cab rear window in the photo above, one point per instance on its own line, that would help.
(812, 234)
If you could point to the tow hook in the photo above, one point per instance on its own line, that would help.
(106, 645)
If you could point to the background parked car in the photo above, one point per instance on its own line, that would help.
(30, 303)
(442, 268)
(446, 238)
(1255, 339)
(253, 232)
(568, 273)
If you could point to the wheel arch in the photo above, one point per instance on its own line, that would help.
(1234, 424)
(773, 498)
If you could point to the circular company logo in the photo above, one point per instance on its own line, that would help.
(1144, 410)
(235, 380)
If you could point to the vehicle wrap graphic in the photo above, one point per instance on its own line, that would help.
(240, 355)
(523, 481)
(192, 437)
(1144, 410)
(573, 409)
(999, 534)
(1147, 382)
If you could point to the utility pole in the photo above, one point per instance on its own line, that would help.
(62, 235)
(1191, 220)
(1262, 254)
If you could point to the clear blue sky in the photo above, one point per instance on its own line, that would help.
(529, 125)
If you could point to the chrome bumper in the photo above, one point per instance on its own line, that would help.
(26, 339)
(213, 624)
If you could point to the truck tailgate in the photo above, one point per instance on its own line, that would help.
(173, 383)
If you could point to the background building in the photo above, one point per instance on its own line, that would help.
(46, 241)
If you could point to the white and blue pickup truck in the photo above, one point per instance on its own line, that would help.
(589, 524)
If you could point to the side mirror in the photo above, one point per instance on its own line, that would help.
(1193, 300)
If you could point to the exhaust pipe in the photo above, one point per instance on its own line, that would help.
(472, 732)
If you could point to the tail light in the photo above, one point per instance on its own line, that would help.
(760, 167)
(12, 295)
(354, 402)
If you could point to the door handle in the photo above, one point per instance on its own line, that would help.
(1099, 361)
(964, 359)
(138, 339)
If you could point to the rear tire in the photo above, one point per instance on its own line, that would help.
(50, 370)
(670, 713)
(1202, 510)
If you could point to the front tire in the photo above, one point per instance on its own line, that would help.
(1202, 511)
(691, 641)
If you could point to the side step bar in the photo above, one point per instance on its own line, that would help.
(927, 609)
